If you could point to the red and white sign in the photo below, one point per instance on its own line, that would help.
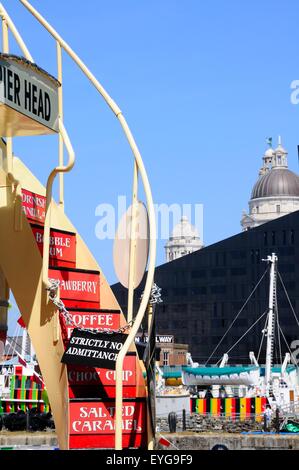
(86, 376)
(93, 320)
(34, 206)
(62, 250)
(99, 418)
(78, 288)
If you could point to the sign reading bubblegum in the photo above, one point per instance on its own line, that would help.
(93, 349)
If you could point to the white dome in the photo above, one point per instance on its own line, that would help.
(184, 229)
(269, 152)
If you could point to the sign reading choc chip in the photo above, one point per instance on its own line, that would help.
(93, 349)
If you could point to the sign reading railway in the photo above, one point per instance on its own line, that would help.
(28, 98)
(93, 349)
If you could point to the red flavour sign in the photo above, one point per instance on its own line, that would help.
(86, 376)
(102, 320)
(62, 250)
(78, 288)
(99, 418)
(34, 206)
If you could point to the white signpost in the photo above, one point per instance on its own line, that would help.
(28, 98)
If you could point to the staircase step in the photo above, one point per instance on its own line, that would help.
(99, 383)
(34, 206)
(78, 287)
(62, 246)
(92, 423)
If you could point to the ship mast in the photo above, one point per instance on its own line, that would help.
(271, 322)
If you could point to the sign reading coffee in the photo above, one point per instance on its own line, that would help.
(94, 320)
(28, 98)
(93, 349)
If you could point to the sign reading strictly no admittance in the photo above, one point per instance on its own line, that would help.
(86, 348)
(28, 98)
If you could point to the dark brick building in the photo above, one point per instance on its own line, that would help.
(202, 292)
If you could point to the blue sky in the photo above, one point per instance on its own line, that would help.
(201, 84)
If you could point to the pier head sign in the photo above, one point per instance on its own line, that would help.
(28, 98)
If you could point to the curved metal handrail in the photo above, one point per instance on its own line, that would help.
(151, 214)
(51, 178)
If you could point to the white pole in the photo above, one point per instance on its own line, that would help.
(271, 317)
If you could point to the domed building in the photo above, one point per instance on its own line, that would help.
(276, 192)
(183, 240)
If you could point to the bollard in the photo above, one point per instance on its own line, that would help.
(265, 424)
(184, 420)
(172, 420)
(27, 420)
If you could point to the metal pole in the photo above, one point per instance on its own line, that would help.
(5, 43)
(60, 112)
(50, 181)
(270, 327)
(133, 244)
(15, 33)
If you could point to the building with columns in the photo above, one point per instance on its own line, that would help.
(276, 192)
(183, 240)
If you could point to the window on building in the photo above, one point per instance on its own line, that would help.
(257, 209)
(215, 309)
(284, 237)
(278, 208)
(218, 289)
(165, 358)
(273, 238)
(266, 238)
(292, 237)
(240, 271)
(257, 256)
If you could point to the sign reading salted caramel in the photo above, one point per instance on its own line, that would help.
(99, 418)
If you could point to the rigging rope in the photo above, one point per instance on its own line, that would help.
(291, 354)
(250, 328)
(284, 288)
(10, 345)
(262, 340)
(278, 335)
(238, 314)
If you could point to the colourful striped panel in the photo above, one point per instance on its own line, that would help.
(12, 386)
(228, 407)
(242, 408)
(215, 406)
(258, 409)
(202, 406)
(248, 407)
